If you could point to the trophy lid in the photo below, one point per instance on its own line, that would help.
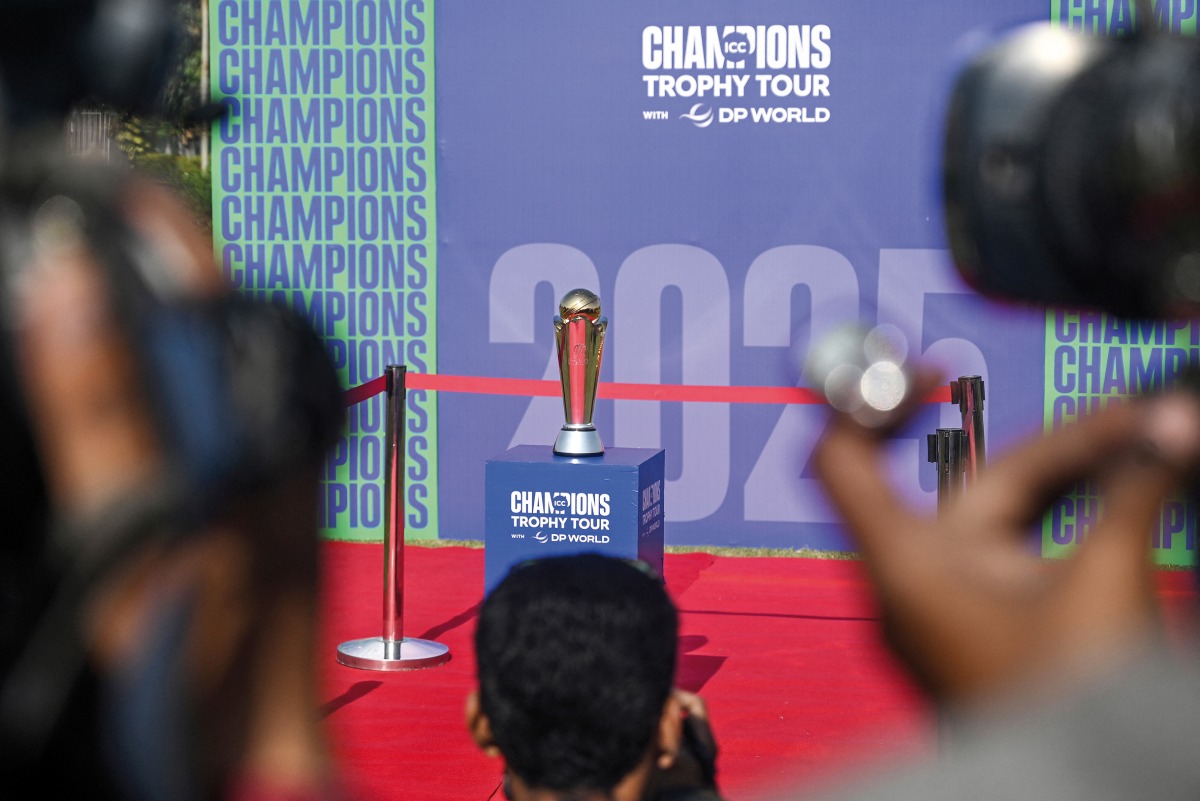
(579, 302)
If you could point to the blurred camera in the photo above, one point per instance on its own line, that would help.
(242, 395)
(56, 53)
(230, 381)
(1071, 170)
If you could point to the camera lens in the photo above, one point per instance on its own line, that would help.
(1071, 171)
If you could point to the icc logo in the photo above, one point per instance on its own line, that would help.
(736, 46)
(578, 354)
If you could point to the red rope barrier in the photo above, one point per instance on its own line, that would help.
(528, 387)
(363, 391)
(394, 651)
(531, 388)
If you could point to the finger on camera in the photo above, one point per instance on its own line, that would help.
(1157, 465)
(1015, 489)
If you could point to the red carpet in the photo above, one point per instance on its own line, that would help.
(785, 651)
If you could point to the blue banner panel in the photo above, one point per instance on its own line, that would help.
(733, 180)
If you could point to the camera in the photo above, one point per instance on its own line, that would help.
(241, 395)
(1071, 170)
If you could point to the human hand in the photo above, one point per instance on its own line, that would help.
(700, 746)
(965, 604)
(693, 764)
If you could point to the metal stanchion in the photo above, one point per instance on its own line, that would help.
(948, 450)
(393, 651)
(967, 392)
(959, 455)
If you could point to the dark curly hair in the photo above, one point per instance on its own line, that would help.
(576, 659)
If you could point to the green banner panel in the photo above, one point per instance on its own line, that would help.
(1117, 17)
(324, 199)
(1094, 360)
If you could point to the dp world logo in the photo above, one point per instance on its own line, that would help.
(700, 115)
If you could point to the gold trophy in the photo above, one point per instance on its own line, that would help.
(579, 332)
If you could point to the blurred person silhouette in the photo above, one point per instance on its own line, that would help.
(160, 562)
(1057, 678)
(1068, 169)
(576, 660)
(163, 440)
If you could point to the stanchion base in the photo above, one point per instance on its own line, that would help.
(410, 653)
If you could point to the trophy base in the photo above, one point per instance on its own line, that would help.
(578, 441)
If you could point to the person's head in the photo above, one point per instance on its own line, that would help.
(576, 661)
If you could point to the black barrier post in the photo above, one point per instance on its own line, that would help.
(959, 455)
(948, 450)
(967, 392)
(393, 651)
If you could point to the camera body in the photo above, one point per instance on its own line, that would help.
(56, 53)
(1071, 171)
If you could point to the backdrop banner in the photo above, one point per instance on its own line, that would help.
(323, 199)
(733, 180)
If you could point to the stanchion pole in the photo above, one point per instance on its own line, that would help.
(392, 650)
(967, 392)
(948, 450)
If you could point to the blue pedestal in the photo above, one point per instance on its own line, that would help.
(538, 504)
